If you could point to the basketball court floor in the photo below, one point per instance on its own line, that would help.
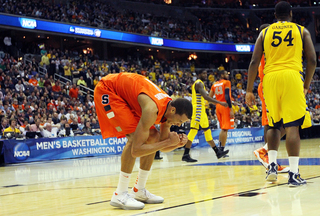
(230, 186)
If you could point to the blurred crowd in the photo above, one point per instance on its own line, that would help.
(227, 26)
(39, 106)
(244, 4)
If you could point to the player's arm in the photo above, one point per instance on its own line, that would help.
(253, 70)
(148, 117)
(227, 95)
(310, 55)
(200, 88)
(211, 93)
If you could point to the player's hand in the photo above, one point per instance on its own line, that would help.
(174, 138)
(224, 104)
(250, 100)
(183, 140)
(231, 113)
(305, 91)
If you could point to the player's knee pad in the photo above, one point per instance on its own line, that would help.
(192, 134)
(208, 135)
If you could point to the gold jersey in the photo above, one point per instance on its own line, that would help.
(283, 46)
(197, 99)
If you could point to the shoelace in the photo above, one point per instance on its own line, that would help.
(147, 193)
(125, 198)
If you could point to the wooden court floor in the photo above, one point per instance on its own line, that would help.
(230, 186)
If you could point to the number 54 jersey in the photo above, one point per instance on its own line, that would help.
(282, 46)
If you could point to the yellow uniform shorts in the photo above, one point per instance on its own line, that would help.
(199, 118)
(285, 99)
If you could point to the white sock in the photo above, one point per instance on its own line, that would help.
(265, 146)
(123, 182)
(294, 164)
(272, 156)
(141, 179)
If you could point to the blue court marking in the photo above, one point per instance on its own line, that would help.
(302, 161)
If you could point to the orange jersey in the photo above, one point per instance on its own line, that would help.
(219, 88)
(117, 106)
(261, 68)
(128, 86)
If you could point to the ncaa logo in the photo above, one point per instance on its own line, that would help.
(97, 33)
(28, 23)
(21, 152)
(156, 41)
(243, 48)
(71, 29)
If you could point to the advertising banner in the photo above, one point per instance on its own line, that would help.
(42, 25)
(235, 136)
(29, 150)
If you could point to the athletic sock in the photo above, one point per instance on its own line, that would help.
(141, 180)
(215, 149)
(186, 151)
(272, 156)
(265, 146)
(294, 164)
(222, 148)
(123, 182)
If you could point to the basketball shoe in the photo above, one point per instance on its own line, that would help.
(262, 155)
(187, 158)
(295, 180)
(221, 153)
(125, 201)
(143, 195)
(272, 172)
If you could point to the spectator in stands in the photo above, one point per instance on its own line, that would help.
(49, 131)
(66, 131)
(73, 93)
(19, 86)
(81, 82)
(67, 70)
(81, 124)
(36, 126)
(45, 60)
(41, 82)
(33, 81)
(12, 127)
(56, 88)
(4, 124)
(55, 118)
(74, 124)
(87, 130)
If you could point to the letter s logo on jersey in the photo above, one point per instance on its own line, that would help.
(21, 152)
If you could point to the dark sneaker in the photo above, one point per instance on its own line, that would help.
(272, 173)
(295, 180)
(187, 158)
(157, 156)
(221, 153)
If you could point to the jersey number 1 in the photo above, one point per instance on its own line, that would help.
(277, 40)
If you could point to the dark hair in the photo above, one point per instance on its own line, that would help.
(183, 106)
(221, 73)
(283, 9)
(12, 119)
(200, 71)
(263, 26)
